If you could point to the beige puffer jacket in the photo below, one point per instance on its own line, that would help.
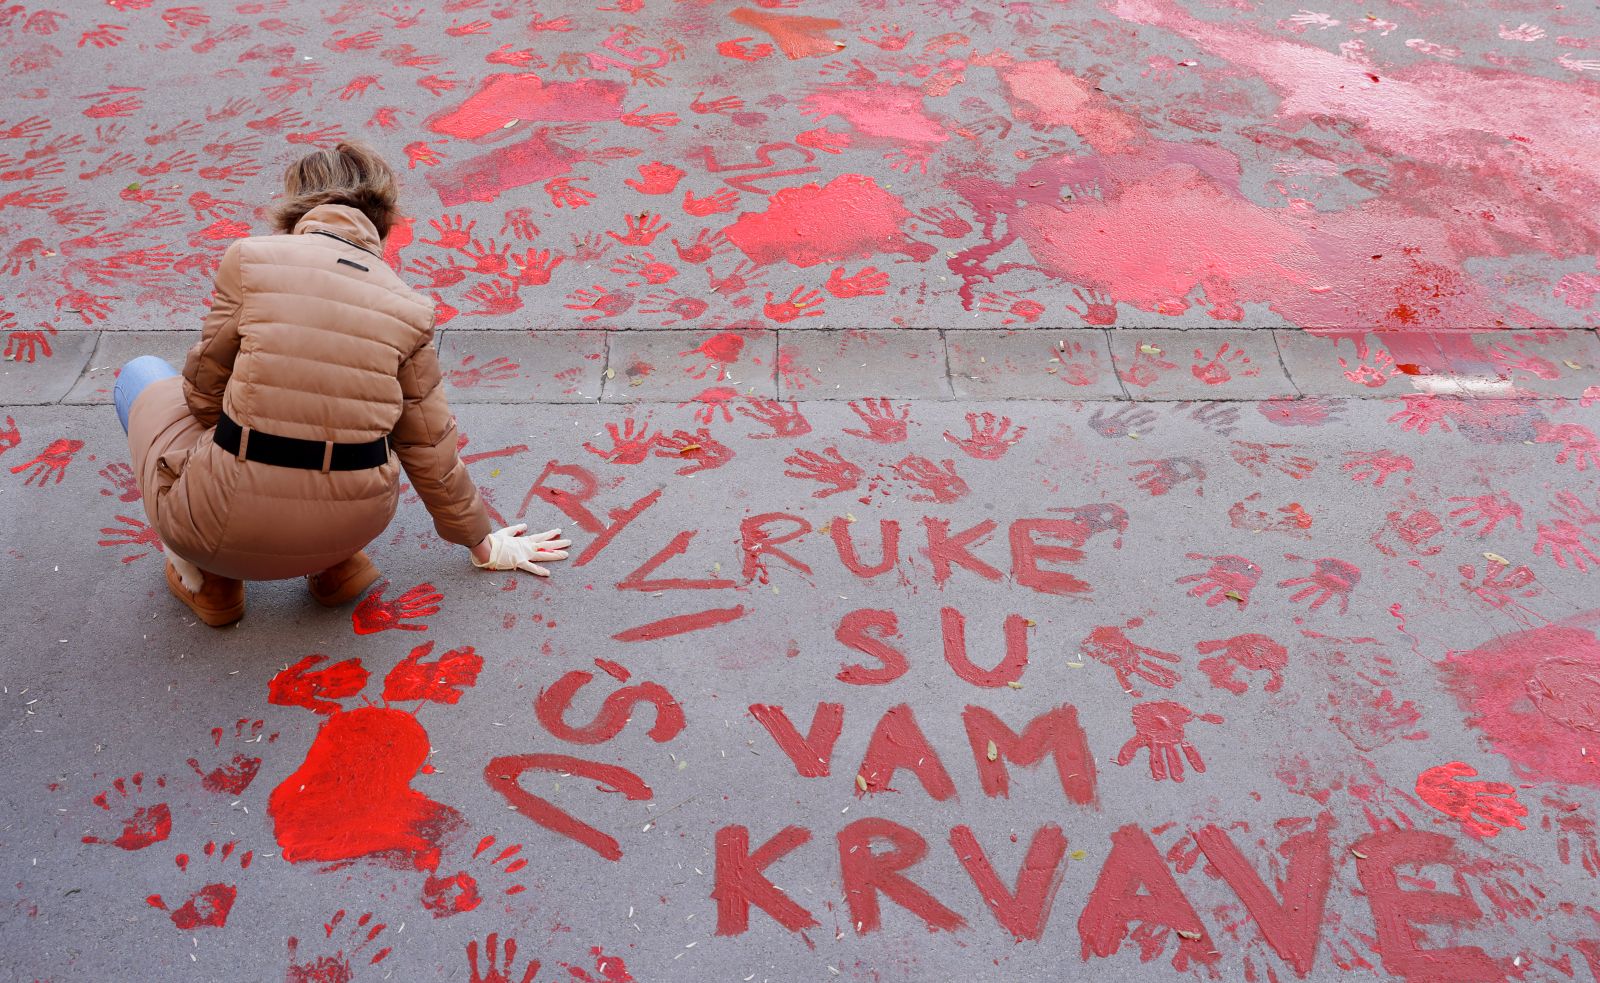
(310, 335)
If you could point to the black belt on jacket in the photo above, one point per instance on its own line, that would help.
(292, 452)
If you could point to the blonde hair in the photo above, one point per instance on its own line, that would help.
(350, 174)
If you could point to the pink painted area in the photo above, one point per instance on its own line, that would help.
(1045, 94)
(1535, 695)
(1164, 233)
(510, 98)
(850, 217)
(893, 112)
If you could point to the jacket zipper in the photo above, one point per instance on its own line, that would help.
(348, 242)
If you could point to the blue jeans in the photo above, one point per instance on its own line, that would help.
(131, 381)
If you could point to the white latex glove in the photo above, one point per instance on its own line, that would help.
(509, 549)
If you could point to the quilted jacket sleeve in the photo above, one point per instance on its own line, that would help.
(210, 361)
(425, 440)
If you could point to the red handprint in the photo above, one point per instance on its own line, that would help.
(703, 451)
(1098, 307)
(657, 178)
(605, 303)
(491, 373)
(519, 222)
(718, 351)
(1572, 824)
(494, 298)
(446, 273)
(1565, 541)
(1482, 808)
(1111, 645)
(1159, 728)
(795, 307)
(51, 462)
(1163, 475)
(563, 194)
(1579, 443)
(418, 152)
(1016, 308)
(649, 270)
(736, 49)
(297, 686)
(868, 283)
(1423, 412)
(718, 201)
(629, 445)
(706, 244)
(944, 221)
(11, 437)
(785, 421)
(640, 229)
(135, 533)
(939, 482)
(1329, 578)
(1252, 653)
(1380, 465)
(439, 681)
(654, 122)
(124, 483)
(374, 614)
(1490, 509)
(1230, 578)
(493, 971)
(678, 308)
(991, 436)
(535, 268)
(1279, 457)
(737, 280)
(27, 346)
(711, 401)
(1221, 366)
(453, 230)
(884, 424)
(1412, 529)
(827, 468)
(489, 259)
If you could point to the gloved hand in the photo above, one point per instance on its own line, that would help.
(509, 549)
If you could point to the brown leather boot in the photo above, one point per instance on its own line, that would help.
(218, 602)
(343, 581)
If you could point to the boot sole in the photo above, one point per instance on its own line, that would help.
(215, 617)
(353, 587)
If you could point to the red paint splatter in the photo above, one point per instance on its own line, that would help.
(850, 217)
(352, 797)
(1536, 697)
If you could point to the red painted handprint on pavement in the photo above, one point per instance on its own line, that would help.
(1490, 510)
(700, 449)
(233, 776)
(827, 468)
(121, 481)
(1110, 645)
(50, 463)
(630, 444)
(1378, 465)
(1482, 808)
(1158, 728)
(991, 436)
(885, 424)
(785, 421)
(374, 614)
(1578, 443)
(939, 482)
(867, 283)
(139, 826)
(135, 533)
(1252, 653)
(1329, 578)
(1161, 476)
(438, 681)
(494, 970)
(1230, 578)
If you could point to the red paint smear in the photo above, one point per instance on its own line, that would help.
(893, 112)
(206, 908)
(515, 165)
(446, 896)
(1536, 697)
(796, 37)
(682, 624)
(508, 98)
(1044, 94)
(352, 797)
(850, 217)
(147, 825)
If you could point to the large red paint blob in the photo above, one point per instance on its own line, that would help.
(352, 798)
(1536, 697)
(850, 217)
(508, 98)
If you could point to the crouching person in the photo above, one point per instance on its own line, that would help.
(277, 452)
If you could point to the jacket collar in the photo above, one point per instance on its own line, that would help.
(344, 222)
